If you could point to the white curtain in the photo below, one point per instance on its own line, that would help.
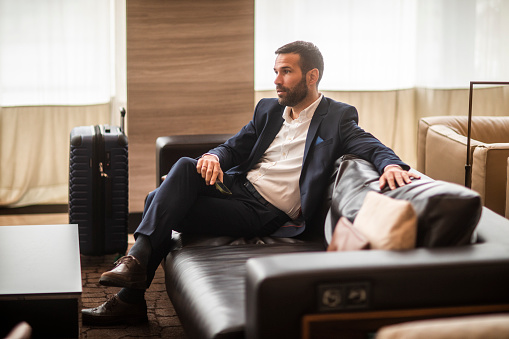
(54, 52)
(389, 44)
(62, 64)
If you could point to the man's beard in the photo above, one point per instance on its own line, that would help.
(294, 96)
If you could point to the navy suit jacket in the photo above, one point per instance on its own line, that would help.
(333, 132)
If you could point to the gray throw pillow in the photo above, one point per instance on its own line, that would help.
(447, 213)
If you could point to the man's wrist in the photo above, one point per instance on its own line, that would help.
(392, 165)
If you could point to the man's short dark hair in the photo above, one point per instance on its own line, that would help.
(310, 56)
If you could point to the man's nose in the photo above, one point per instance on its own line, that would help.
(278, 80)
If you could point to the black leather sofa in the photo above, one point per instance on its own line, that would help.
(289, 288)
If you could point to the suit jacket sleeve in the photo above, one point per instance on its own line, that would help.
(355, 140)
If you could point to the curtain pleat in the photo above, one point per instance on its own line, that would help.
(34, 151)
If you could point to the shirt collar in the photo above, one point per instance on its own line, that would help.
(306, 114)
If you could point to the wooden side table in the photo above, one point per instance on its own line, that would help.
(40, 279)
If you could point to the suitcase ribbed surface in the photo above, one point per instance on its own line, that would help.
(99, 188)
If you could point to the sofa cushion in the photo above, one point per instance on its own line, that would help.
(205, 281)
(447, 213)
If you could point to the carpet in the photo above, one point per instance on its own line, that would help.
(163, 321)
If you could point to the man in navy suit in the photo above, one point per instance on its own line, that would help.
(277, 167)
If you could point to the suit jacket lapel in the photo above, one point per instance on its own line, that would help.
(272, 128)
(320, 113)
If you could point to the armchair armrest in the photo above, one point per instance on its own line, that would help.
(456, 123)
(489, 163)
(489, 174)
(171, 148)
(507, 192)
(442, 140)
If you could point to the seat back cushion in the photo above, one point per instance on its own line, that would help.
(170, 149)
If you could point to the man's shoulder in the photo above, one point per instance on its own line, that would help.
(272, 104)
(336, 104)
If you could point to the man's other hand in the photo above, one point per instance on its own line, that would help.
(210, 169)
(394, 177)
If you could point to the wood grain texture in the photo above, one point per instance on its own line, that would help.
(190, 70)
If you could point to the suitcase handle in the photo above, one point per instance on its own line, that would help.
(122, 114)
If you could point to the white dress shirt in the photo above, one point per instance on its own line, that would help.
(276, 176)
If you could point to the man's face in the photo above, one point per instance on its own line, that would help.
(290, 83)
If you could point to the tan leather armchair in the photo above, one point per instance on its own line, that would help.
(441, 154)
(507, 192)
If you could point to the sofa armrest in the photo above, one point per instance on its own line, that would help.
(279, 292)
(169, 149)
(492, 228)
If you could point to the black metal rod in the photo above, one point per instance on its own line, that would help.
(468, 165)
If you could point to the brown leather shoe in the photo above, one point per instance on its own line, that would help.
(115, 311)
(128, 272)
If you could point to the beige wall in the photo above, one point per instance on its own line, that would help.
(190, 70)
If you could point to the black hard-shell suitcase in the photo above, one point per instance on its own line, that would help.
(98, 188)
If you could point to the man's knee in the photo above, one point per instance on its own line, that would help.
(149, 198)
(182, 172)
(185, 164)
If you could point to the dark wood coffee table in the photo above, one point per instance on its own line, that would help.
(40, 279)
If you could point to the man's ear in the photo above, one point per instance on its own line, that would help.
(312, 76)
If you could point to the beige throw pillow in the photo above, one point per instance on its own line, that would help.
(387, 223)
(347, 238)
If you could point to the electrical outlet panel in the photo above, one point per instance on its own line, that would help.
(343, 296)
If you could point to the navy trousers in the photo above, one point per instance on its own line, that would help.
(184, 203)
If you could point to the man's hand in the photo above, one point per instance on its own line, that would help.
(394, 176)
(210, 169)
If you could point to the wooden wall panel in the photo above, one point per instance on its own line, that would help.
(190, 70)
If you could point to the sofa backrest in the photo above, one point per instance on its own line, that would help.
(169, 149)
